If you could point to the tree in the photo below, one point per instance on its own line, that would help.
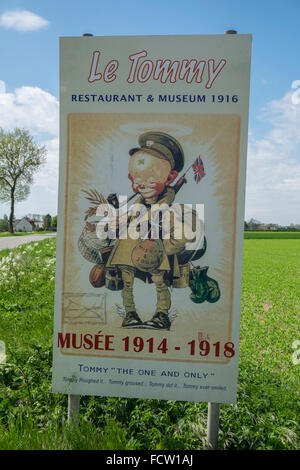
(253, 224)
(47, 221)
(54, 222)
(20, 159)
(4, 224)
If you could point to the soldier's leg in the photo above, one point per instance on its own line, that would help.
(160, 320)
(127, 291)
(162, 291)
(131, 319)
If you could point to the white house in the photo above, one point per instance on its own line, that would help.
(24, 225)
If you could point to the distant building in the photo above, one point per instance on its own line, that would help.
(272, 227)
(24, 225)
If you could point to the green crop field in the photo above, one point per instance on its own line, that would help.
(267, 410)
(272, 235)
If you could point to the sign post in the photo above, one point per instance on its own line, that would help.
(213, 411)
(153, 139)
(73, 407)
(213, 425)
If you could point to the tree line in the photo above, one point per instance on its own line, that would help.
(256, 225)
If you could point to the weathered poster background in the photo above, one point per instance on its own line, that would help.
(113, 90)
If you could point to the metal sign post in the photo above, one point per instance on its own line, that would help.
(73, 407)
(213, 425)
(213, 412)
(74, 400)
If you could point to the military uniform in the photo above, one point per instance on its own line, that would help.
(159, 263)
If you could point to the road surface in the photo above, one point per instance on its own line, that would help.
(13, 242)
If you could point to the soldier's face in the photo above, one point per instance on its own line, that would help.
(149, 175)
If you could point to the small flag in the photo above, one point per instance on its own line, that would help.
(198, 169)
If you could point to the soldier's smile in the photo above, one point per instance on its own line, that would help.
(148, 174)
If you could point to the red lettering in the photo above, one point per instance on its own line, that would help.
(135, 59)
(98, 340)
(63, 341)
(88, 341)
(109, 71)
(191, 69)
(108, 343)
(74, 341)
(164, 69)
(93, 76)
(214, 72)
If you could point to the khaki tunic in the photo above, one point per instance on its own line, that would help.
(122, 252)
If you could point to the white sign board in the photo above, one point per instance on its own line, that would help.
(153, 140)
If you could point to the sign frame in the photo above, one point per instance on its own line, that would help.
(81, 58)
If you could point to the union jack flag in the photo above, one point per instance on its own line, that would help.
(198, 169)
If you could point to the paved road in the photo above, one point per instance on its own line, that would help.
(13, 242)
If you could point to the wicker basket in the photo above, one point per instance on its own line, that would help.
(92, 248)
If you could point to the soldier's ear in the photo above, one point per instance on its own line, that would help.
(172, 176)
(134, 186)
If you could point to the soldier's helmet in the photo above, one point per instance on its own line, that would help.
(163, 146)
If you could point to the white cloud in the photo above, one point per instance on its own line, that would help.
(2, 87)
(48, 175)
(29, 107)
(273, 175)
(22, 21)
(36, 110)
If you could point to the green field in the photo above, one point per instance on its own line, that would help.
(20, 234)
(267, 411)
(272, 235)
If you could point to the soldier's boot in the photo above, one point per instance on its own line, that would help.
(159, 321)
(131, 320)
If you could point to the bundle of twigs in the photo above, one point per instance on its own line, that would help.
(95, 198)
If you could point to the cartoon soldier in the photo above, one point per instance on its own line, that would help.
(153, 166)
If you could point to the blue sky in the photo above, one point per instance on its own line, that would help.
(30, 72)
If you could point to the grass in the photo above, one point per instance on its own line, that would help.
(272, 235)
(19, 234)
(266, 414)
(81, 435)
